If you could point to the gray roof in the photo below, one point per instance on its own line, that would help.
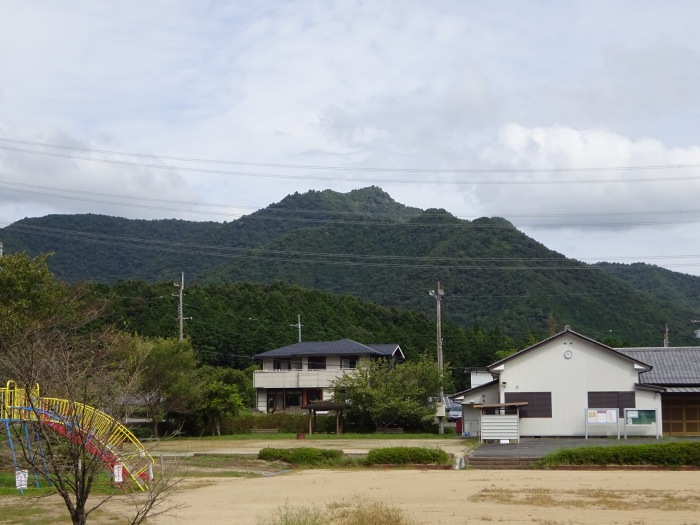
(483, 386)
(675, 365)
(682, 390)
(340, 347)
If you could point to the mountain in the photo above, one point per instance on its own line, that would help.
(108, 249)
(365, 244)
(669, 287)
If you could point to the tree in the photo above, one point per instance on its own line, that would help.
(48, 337)
(385, 393)
(169, 374)
(218, 398)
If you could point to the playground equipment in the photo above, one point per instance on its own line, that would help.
(101, 435)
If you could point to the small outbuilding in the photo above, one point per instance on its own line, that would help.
(326, 406)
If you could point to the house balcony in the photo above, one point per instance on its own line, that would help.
(295, 378)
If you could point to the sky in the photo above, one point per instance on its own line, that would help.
(578, 121)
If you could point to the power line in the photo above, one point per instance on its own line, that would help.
(271, 211)
(373, 260)
(325, 178)
(347, 168)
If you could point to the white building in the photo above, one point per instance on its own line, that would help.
(301, 373)
(552, 387)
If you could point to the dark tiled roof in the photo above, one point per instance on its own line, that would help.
(388, 350)
(475, 389)
(683, 390)
(675, 365)
(340, 347)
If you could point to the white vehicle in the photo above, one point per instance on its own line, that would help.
(455, 413)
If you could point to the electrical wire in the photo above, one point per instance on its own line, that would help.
(350, 168)
(373, 260)
(269, 216)
(497, 182)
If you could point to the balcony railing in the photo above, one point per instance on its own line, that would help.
(296, 378)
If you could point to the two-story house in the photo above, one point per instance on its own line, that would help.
(301, 373)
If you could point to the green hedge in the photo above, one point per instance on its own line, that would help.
(301, 455)
(662, 454)
(283, 422)
(306, 456)
(407, 456)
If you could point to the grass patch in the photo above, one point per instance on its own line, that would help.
(26, 512)
(665, 500)
(353, 512)
(102, 486)
(674, 454)
(220, 465)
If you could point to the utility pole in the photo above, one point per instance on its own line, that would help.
(298, 325)
(180, 313)
(437, 294)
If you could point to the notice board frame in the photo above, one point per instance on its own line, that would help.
(602, 416)
(635, 417)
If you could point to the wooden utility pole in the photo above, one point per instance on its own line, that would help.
(180, 314)
(437, 294)
(298, 325)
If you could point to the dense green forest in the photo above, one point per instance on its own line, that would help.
(365, 245)
(232, 322)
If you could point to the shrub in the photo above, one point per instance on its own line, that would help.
(301, 456)
(284, 422)
(287, 515)
(407, 456)
(662, 454)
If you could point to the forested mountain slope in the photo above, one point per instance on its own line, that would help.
(365, 244)
(673, 288)
(228, 323)
(107, 249)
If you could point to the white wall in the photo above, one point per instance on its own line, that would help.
(590, 368)
(470, 415)
(479, 377)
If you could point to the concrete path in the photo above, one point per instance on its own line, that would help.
(540, 447)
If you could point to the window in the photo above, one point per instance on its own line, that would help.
(314, 395)
(296, 363)
(539, 404)
(317, 363)
(619, 400)
(292, 398)
(348, 362)
(280, 364)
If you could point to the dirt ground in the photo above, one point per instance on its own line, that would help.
(457, 447)
(430, 497)
(447, 497)
(452, 497)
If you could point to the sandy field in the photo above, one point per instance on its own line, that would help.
(453, 497)
(447, 497)
(350, 447)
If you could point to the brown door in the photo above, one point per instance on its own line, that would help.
(681, 414)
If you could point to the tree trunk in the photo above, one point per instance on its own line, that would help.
(78, 516)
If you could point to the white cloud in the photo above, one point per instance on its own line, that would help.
(611, 191)
(452, 86)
